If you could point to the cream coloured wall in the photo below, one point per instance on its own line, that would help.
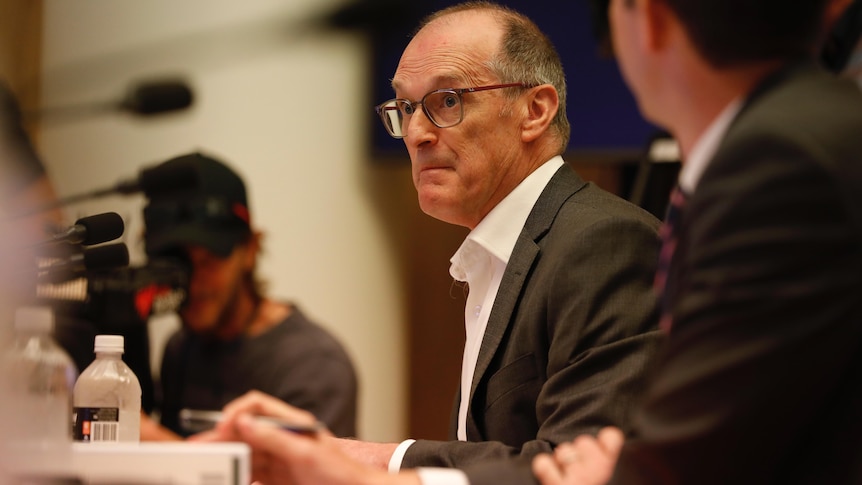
(289, 110)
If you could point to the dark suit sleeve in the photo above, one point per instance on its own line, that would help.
(765, 327)
(586, 325)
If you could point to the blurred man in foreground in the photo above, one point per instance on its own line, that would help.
(760, 379)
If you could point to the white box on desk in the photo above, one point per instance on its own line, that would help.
(162, 463)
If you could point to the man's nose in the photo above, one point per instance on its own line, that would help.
(420, 129)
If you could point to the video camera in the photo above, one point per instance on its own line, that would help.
(116, 298)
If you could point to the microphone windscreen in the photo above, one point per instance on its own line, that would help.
(101, 228)
(106, 257)
(158, 97)
(168, 177)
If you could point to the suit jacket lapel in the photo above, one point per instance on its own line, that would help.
(562, 185)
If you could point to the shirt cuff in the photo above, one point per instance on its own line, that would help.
(442, 476)
(398, 456)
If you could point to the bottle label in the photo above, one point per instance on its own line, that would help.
(96, 424)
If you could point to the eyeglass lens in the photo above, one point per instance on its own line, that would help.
(442, 107)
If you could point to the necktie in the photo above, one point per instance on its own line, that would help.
(668, 233)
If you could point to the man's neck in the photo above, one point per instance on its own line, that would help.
(708, 92)
(242, 316)
(269, 313)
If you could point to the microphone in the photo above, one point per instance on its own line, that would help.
(142, 99)
(126, 296)
(90, 230)
(160, 179)
(151, 181)
(90, 259)
(157, 97)
(378, 17)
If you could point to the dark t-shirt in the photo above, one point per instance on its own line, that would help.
(296, 361)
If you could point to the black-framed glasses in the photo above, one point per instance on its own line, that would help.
(443, 107)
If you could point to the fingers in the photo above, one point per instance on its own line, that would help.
(611, 439)
(604, 448)
(272, 440)
(252, 402)
(572, 453)
(209, 436)
(284, 457)
(583, 461)
(273, 456)
(260, 404)
(588, 460)
(546, 470)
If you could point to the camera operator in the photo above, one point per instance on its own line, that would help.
(234, 338)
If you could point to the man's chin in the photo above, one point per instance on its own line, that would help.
(440, 209)
(433, 201)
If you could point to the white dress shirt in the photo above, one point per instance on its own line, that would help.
(704, 148)
(481, 261)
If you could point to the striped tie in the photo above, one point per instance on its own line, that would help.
(668, 234)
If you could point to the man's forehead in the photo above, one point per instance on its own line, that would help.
(443, 80)
(451, 51)
(442, 69)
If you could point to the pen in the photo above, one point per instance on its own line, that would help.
(194, 420)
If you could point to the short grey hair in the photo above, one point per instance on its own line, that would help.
(527, 56)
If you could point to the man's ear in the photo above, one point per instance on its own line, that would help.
(654, 28)
(542, 106)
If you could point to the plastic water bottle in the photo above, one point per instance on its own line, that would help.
(107, 397)
(38, 379)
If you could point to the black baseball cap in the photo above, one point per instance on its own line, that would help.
(213, 213)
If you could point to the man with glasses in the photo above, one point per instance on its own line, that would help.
(560, 316)
(233, 338)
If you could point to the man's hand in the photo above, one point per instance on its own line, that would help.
(259, 404)
(283, 457)
(318, 458)
(584, 461)
(256, 403)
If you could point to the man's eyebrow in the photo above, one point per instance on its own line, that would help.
(441, 81)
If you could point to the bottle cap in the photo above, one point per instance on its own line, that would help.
(34, 319)
(109, 343)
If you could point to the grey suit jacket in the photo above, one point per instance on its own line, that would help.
(570, 333)
(761, 380)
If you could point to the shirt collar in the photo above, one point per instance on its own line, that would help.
(498, 231)
(704, 149)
